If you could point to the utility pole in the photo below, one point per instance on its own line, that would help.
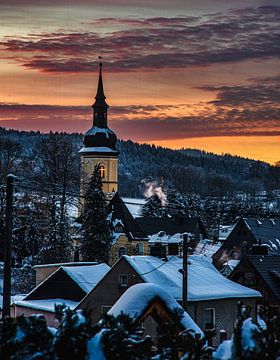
(7, 246)
(185, 271)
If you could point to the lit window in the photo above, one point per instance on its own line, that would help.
(122, 251)
(123, 280)
(209, 319)
(102, 171)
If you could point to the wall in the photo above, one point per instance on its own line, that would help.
(107, 292)
(22, 310)
(110, 182)
(225, 314)
(131, 248)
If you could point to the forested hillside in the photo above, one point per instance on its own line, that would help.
(184, 170)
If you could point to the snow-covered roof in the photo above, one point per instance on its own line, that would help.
(87, 277)
(207, 247)
(163, 238)
(101, 149)
(46, 304)
(224, 231)
(134, 206)
(136, 299)
(204, 280)
(13, 299)
(232, 263)
(72, 264)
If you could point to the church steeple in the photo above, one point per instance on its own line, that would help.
(100, 106)
(100, 145)
(100, 135)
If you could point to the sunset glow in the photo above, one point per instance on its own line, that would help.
(202, 76)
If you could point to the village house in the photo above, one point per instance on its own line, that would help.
(150, 305)
(211, 300)
(67, 285)
(260, 272)
(245, 234)
(142, 235)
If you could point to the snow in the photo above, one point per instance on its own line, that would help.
(231, 263)
(102, 149)
(136, 299)
(224, 231)
(163, 238)
(77, 264)
(87, 277)
(204, 280)
(225, 350)
(95, 348)
(134, 206)
(116, 222)
(207, 247)
(13, 299)
(97, 130)
(46, 304)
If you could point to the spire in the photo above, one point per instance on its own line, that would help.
(100, 92)
(100, 106)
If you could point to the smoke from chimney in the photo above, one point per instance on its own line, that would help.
(153, 188)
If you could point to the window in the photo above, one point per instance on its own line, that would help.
(118, 228)
(140, 249)
(102, 171)
(105, 309)
(122, 251)
(209, 319)
(123, 280)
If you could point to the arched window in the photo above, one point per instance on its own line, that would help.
(140, 249)
(102, 171)
(122, 251)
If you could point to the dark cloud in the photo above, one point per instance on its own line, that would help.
(262, 93)
(154, 43)
(140, 123)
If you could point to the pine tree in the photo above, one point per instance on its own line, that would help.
(123, 339)
(97, 235)
(153, 207)
(57, 244)
(175, 204)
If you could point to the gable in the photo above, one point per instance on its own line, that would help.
(120, 211)
(57, 286)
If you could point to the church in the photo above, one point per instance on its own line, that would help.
(130, 231)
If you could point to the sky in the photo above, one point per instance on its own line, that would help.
(201, 74)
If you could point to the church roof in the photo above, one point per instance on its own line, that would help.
(99, 135)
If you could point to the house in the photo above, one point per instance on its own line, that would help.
(141, 235)
(211, 300)
(246, 233)
(45, 270)
(168, 233)
(128, 237)
(67, 285)
(151, 305)
(260, 272)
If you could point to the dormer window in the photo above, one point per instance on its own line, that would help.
(119, 228)
(102, 171)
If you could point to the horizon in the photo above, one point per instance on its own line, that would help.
(145, 143)
(199, 76)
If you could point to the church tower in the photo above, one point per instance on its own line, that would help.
(100, 145)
